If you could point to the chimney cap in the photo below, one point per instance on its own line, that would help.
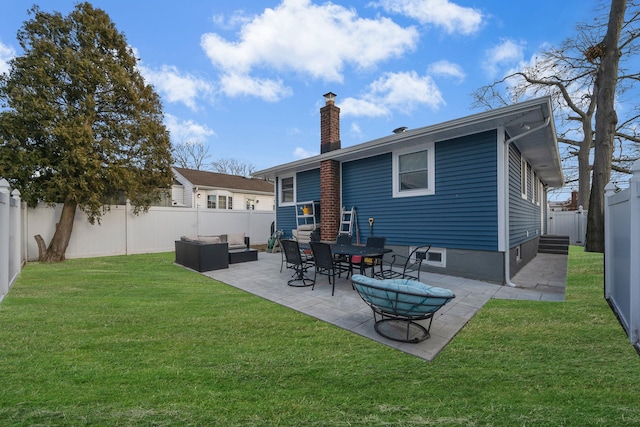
(329, 96)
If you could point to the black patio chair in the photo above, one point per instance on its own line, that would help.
(402, 267)
(343, 239)
(326, 264)
(296, 260)
(370, 262)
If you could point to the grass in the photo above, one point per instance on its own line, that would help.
(136, 340)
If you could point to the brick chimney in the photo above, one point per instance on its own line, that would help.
(329, 170)
(329, 124)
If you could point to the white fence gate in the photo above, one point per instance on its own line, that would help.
(569, 223)
(622, 254)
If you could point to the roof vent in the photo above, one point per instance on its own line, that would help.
(400, 129)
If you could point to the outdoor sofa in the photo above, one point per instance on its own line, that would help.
(206, 253)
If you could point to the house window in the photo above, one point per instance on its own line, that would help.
(540, 193)
(523, 178)
(225, 202)
(287, 187)
(414, 171)
(211, 201)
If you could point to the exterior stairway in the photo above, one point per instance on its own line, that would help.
(553, 245)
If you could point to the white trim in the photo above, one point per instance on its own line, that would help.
(429, 147)
(503, 177)
(280, 202)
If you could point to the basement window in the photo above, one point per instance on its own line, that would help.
(436, 257)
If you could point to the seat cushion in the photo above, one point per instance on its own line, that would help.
(235, 239)
(209, 239)
(402, 297)
(306, 227)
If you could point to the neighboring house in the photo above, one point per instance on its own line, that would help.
(474, 188)
(202, 189)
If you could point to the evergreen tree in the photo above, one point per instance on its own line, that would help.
(79, 125)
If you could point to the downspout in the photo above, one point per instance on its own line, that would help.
(507, 261)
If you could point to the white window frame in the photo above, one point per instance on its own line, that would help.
(431, 171)
(540, 192)
(524, 177)
(212, 198)
(280, 179)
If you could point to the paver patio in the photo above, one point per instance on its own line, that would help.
(542, 279)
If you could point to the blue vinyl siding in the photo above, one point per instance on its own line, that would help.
(524, 214)
(307, 188)
(461, 214)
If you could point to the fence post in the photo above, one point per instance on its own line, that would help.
(16, 229)
(5, 213)
(634, 253)
(128, 239)
(609, 190)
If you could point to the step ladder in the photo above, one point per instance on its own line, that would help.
(347, 221)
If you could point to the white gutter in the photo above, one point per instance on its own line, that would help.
(507, 260)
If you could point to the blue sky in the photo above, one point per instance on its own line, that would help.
(246, 77)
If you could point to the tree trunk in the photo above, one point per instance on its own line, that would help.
(606, 121)
(42, 246)
(58, 246)
(584, 164)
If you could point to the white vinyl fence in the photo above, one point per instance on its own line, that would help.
(569, 223)
(11, 237)
(622, 254)
(121, 232)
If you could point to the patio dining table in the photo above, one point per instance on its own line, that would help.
(358, 250)
(350, 251)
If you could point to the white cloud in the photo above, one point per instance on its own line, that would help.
(440, 13)
(243, 85)
(311, 40)
(363, 107)
(447, 69)
(506, 53)
(6, 54)
(176, 86)
(186, 131)
(355, 129)
(301, 153)
(402, 92)
(236, 20)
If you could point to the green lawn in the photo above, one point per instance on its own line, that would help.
(136, 340)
